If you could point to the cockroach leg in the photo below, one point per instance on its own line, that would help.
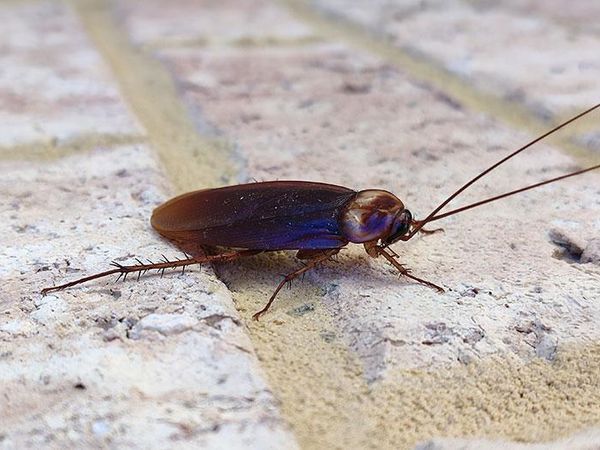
(393, 253)
(140, 268)
(322, 255)
(405, 271)
(435, 230)
(419, 224)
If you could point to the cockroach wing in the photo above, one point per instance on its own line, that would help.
(274, 215)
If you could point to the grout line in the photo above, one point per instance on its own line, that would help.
(16, 2)
(240, 43)
(51, 149)
(191, 160)
(426, 70)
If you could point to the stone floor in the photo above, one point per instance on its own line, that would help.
(111, 107)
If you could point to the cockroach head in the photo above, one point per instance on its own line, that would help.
(401, 226)
(374, 215)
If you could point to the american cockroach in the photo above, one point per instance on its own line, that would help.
(316, 219)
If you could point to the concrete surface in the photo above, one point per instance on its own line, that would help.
(190, 94)
(552, 68)
(53, 84)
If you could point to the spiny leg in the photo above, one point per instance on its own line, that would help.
(141, 267)
(319, 258)
(406, 272)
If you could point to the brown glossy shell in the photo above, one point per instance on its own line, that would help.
(270, 215)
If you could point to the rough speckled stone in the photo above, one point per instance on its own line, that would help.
(580, 15)
(200, 22)
(591, 252)
(101, 363)
(515, 53)
(53, 84)
(586, 440)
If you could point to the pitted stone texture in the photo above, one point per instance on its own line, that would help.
(585, 440)
(283, 105)
(327, 113)
(156, 363)
(201, 22)
(528, 58)
(53, 84)
(576, 242)
(581, 15)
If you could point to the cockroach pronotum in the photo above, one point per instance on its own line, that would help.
(316, 219)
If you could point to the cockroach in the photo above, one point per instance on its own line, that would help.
(315, 219)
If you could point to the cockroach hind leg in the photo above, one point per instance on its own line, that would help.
(311, 263)
(122, 271)
(429, 284)
(407, 273)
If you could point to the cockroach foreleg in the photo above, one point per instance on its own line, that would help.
(122, 271)
(405, 271)
(419, 224)
(322, 255)
(435, 230)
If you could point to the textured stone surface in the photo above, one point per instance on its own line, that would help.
(520, 53)
(103, 363)
(53, 85)
(587, 440)
(200, 22)
(580, 15)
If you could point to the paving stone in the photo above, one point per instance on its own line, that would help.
(105, 363)
(54, 86)
(586, 440)
(509, 52)
(202, 22)
(580, 15)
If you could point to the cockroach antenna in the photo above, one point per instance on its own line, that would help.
(418, 224)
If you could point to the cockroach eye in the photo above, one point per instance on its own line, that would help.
(401, 226)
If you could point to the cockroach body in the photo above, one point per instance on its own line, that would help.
(316, 219)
